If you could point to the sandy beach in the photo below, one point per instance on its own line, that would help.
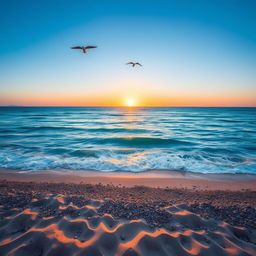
(93, 213)
(161, 178)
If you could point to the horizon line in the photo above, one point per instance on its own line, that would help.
(52, 106)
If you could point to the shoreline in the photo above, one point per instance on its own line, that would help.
(162, 178)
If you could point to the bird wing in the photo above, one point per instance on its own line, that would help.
(129, 63)
(90, 47)
(76, 47)
(138, 63)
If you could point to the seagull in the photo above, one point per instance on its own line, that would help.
(133, 64)
(84, 48)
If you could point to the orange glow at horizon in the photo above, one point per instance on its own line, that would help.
(118, 99)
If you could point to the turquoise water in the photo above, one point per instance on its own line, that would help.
(208, 140)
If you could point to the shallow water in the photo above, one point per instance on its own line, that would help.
(208, 140)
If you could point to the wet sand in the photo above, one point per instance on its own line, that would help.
(47, 213)
(162, 179)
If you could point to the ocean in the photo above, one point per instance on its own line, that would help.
(206, 140)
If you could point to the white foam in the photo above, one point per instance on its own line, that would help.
(134, 162)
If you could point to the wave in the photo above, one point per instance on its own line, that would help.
(231, 121)
(38, 117)
(124, 160)
(6, 130)
(117, 130)
(75, 153)
(45, 128)
(28, 129)
(143, 141)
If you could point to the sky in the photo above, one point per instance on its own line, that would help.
(194, 53)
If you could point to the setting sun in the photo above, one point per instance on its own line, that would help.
(130, 102)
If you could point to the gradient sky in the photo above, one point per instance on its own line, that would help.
(194, 53)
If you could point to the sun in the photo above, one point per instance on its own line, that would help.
(130, 102)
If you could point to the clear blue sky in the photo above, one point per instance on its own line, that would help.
(193, 52)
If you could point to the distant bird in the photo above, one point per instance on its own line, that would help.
(83, 48)
(133, 64)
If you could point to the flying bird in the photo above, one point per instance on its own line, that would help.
(83, 48)
(133, 64)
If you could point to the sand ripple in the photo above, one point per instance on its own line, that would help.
(53, 225)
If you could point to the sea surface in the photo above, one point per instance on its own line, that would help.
(207, 140)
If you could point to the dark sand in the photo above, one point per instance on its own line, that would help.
(189, 214)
